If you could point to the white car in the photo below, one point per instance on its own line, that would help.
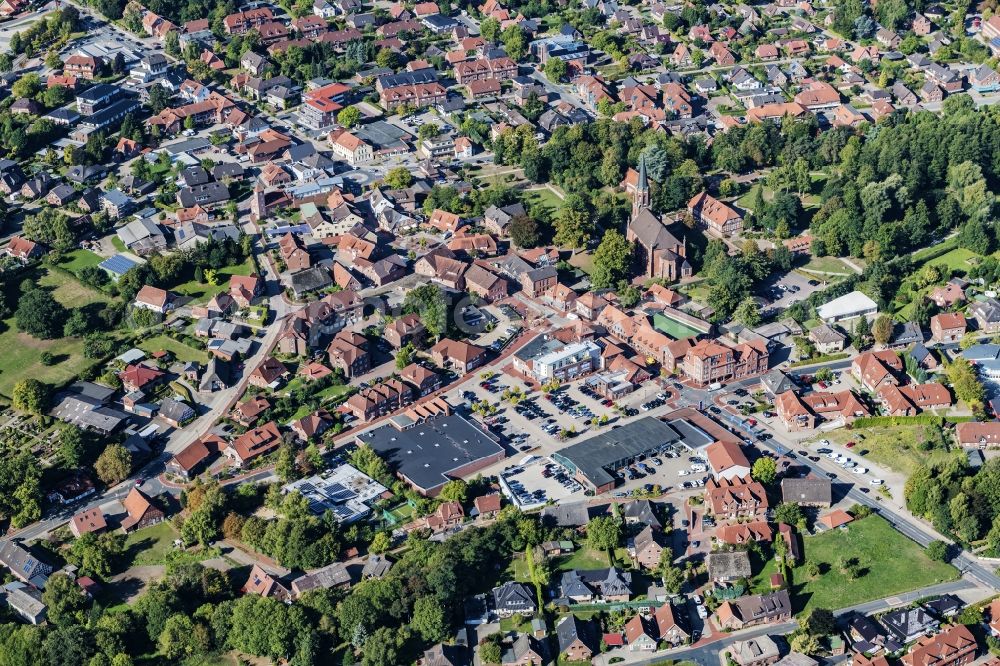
(860, 470)
(824, 442)
(683, 472)
(876, 482)
(702, 612)
(832, 455)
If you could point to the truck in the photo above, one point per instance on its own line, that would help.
(714, 387)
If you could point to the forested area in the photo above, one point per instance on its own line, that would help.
(196, 611)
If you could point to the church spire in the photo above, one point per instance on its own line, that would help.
(640, 199)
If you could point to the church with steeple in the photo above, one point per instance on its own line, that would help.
(659, 251)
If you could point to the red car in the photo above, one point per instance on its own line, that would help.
(850, 445)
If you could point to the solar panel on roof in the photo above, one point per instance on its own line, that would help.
(117, 264)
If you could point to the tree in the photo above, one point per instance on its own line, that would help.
(937, 550)
(764, 470)
(398, 178)
(965, 382)
(555, 69)
(524, 232)
(285, 466)
(114, 464)
(612, 260)
(182, 637)
(63, 598)
(71, 446)
(428, 131)
(673, 577)
(96, 555)
(514, 42)
(455, 490)
(40, 315)
(349, 117)
(748, 313)
(573, 228)
(604, 532)
(882, 329)
(405, 355)
(490, 29)
(31, 396)
(820, 622)
(805, 644)
(429, 302)
(429, 619)
(789, 513)
(77, 324)
(28, 86)
(381, 543)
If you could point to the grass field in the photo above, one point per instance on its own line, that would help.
(895, 447)
(181, 351)
(200, 292)
(80, 258)
(71, 292)
(543, 199)
(827, 265)
(959, 259)
(584, 261)
(891, 564)
(150, 545)
(22, 353)
(118, 243)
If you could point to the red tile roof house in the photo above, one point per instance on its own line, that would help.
(23, 250)
(736, 498)
(912, 399)
(804, 413)
(948, 295)
(312, 426)
(948, 327)
(189, 460)
(641, 633)
(88, 521)
(348, 352)
(978, 435)
(954, 646)
(246, 289)
(269, 373)
(716, 216)
(743, 533)
(461, 356)
(727, 460)
(246, 412)
(424, 380)
(139, 377)
(141, 511)
(873, 369)
(253, 443)
(449, 514)
(153, 298)
(487, 506)
(406, 329)
(264, 584)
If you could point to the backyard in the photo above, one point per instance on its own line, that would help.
(181, 351)
(887, 563)
(202, 292)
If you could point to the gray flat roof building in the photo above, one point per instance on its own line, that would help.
(434, 451)
(593, 460)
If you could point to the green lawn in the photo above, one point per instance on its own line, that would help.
(80, 258)
(181, 351)
(584, 557)
(150, 545)
(118, 243)
(827, 265)
(200, 292)
(543, 199)
(71, 292)
(584, 261)
(22, 353)
(895, 447)
(891, 564)
(957, 260)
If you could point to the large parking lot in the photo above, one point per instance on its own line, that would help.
(537, 482)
